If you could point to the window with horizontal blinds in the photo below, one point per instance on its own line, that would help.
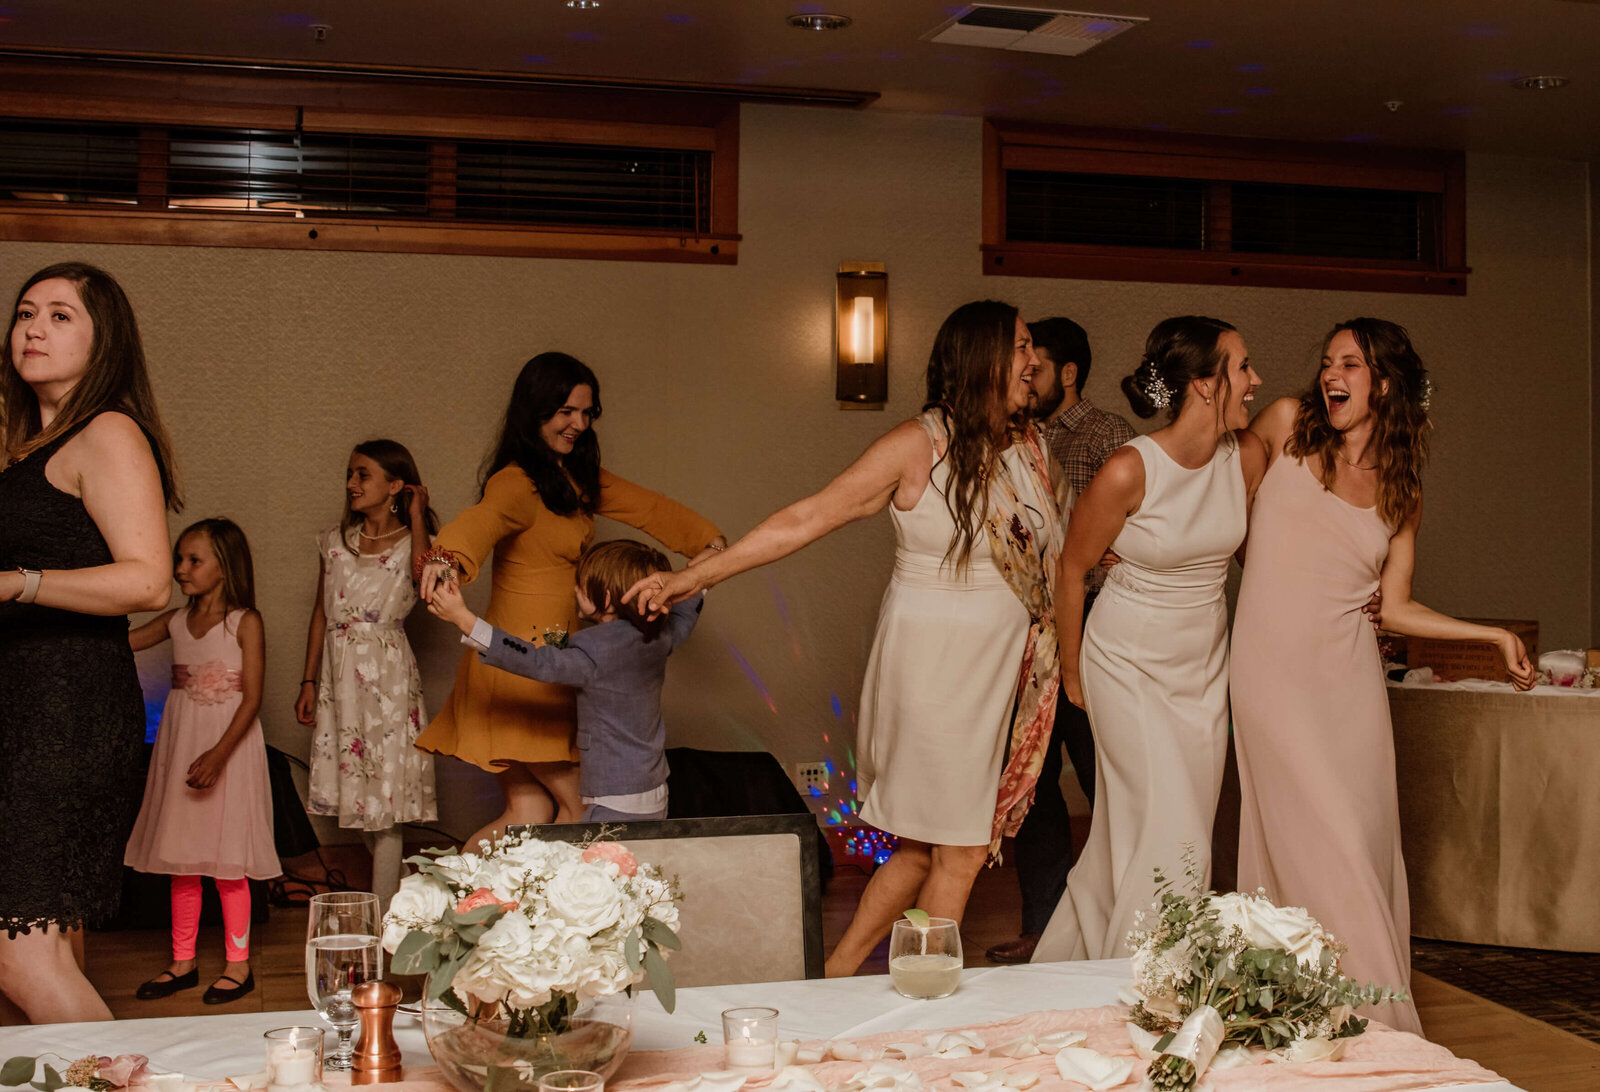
(1105, 210)
(1107, 205)
(423, 193)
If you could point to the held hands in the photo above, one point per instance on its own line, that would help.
(448, 604)
(204, 771)
(435, 574)
(1516, 656)
(658, 591)
(305, 706)
(1374, 609)
(1072, 688)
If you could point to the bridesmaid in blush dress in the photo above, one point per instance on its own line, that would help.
(1153, 675)
(1336, 518)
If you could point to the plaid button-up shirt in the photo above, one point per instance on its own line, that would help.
(1082, 437)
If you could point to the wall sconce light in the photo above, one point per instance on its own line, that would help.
(863, 375)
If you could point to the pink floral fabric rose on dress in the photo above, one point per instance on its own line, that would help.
(614, 852)
(212, 683)
(482, 897)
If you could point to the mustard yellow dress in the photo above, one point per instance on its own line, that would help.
(493, 718)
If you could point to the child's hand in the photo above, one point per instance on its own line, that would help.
(204, 771)
(448, 604)
(305, 706)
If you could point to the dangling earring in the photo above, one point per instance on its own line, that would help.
(394, 506)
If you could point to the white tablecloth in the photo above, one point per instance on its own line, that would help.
(220, 1046)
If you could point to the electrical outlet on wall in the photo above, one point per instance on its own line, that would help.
(811, 778)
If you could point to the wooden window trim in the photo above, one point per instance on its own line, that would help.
(1024, 146)
(79, 93)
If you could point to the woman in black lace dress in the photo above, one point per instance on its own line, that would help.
(85, 481)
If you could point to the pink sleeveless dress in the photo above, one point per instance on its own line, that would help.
(1320, 826)
(224, 831)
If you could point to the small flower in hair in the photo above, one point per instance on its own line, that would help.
(1427, 394)
(1155, 388)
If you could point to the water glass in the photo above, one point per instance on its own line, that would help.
(294, 1059)
(572, 1080)
(750, 1036)
(925, 961)
(342, 951)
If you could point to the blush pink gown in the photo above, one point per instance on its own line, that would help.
(1320, 826)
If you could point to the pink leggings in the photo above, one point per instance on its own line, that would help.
(186, 916)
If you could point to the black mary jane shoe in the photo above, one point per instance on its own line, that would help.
(159, 987)
(221, 995)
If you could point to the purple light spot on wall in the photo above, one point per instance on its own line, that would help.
(831, 57)
(810, 9)
(1458, 111)
(287, 19)
(583, 36)
(1200, 43)
(1258, 91)
(679, 19)
(890, 55)
(1501, 77)
(1002, 66)
(1100, 26)
(535, 58)
(1254, 67)
(955, 9)
(1481, 31)
(1029, 102)
(1223, 111)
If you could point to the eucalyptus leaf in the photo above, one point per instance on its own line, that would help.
(661, 980)
(630, 952)
(450, 998)
(659, 934)
(418, 953)
(477, 916)
(18, 1070)
(52, 1080)
(439, 981)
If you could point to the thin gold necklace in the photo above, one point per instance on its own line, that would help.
(1346, 460)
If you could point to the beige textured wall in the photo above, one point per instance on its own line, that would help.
(717, 390)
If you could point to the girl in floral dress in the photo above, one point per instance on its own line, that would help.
(361, 687)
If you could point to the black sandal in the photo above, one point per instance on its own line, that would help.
(159, 987)
(221, 995)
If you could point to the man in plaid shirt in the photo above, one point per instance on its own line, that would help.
(1081, 436)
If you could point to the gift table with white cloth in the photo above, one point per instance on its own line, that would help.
(221, 1046)
(1499, 812)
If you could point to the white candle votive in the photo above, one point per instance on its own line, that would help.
(294, 1059)
(750, 1037)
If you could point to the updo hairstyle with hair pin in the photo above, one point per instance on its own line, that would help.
(1177, 352)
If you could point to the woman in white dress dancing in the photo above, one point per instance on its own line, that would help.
(965, 651)
(1153, 673)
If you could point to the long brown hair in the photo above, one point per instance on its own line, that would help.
(967, 371)
(233, 555)
(115, 378)
(1400, 431)
(395, 460)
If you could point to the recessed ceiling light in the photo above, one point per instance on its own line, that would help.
(819, 21)
(1540, 83)
(583, 5)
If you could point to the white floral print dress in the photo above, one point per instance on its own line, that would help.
(364, 768)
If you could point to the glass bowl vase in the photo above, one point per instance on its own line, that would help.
(478, 1055)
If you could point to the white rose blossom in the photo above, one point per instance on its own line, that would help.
(584, 897)
(419, 904)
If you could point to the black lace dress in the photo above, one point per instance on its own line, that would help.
(71, 719)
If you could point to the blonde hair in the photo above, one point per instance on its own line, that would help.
(233, 556)
(608, 569)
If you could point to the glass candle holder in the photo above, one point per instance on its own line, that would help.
(750, 1037)
(294, 1059)
(572, 1080)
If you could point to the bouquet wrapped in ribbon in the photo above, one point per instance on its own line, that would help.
(1214, 972)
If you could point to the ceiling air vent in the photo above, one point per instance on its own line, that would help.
(1031, 30)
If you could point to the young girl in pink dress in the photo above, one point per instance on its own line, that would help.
(207, 811)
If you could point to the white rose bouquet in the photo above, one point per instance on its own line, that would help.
(1212, 969)
(530, 929)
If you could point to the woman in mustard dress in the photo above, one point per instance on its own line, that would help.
(543, 490)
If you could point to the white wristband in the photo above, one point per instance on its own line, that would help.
(30, 585)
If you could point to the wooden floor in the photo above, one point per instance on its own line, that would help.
(1530, 1054)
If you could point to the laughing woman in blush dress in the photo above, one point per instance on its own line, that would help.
(1336, 518)
(1153, 672)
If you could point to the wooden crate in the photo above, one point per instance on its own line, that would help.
(1452, 660)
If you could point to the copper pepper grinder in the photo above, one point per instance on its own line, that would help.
(377, 1055)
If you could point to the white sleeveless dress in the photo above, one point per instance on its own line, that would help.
(941, 682)
(1154, 666)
